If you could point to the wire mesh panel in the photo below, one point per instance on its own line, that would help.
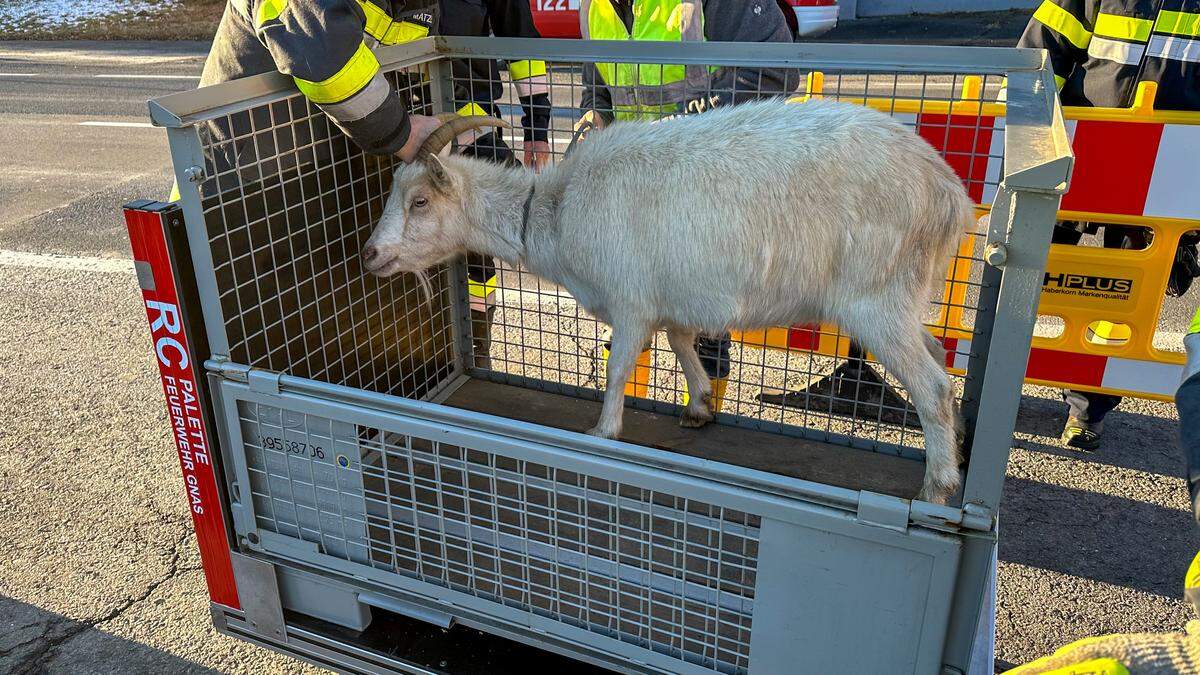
(649, 568)
(808, 380)
(289, 202)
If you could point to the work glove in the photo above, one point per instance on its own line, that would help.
(1131, 654)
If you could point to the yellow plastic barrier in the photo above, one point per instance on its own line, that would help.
(1134, 166)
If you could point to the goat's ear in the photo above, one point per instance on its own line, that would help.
(438, 173)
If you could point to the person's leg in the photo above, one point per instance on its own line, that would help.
(714, 356)
(1085, 422)
(481, 270)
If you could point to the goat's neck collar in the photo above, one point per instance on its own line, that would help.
(525, 216)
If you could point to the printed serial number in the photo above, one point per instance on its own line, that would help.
(294, 447)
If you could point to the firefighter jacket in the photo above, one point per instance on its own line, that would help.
(1102, 49)
(326, 47)
(633, 91)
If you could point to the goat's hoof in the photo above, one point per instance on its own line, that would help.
(694, 420)
(937, 492)
(600, 432)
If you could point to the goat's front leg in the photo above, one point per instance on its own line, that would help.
(697, 413)
(627, 342)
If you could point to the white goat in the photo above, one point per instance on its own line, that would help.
(763, 214)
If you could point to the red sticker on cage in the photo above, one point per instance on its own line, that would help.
(1066, 367)
(178, 374)
(1114, 162)
(964, 141)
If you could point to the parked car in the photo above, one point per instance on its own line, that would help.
(813, 17)
(560, 18)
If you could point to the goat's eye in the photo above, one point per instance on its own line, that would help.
(419, 202)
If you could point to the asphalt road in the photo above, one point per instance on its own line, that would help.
(98, 570)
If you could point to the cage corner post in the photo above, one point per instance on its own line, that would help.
(169, 297)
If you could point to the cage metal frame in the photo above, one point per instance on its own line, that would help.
(1037, 165)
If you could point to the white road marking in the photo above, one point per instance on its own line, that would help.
(148, 77)
(137, 125)
(65, 262)
(18, 74)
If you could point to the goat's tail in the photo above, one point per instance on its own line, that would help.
(951, 215)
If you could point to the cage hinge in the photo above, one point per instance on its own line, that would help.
(263, 381)
(883, 511)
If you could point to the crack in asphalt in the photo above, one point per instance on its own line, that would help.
(68, 629)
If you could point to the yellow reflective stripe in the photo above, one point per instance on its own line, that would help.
(381, 27)
(1178, 23)
(404, 31)
(520, 70)
(269, 10)
(1064, 23)
(1123, 27)
(1192, 579)
(482, 289)
(378, 20)
(1059, 81)
(471, 109)
(1105, 666)
(175, 197)
(353, 76)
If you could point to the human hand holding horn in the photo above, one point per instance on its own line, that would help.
(430, 135)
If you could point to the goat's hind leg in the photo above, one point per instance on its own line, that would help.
(902, 345)
(697, 413)
(627, 342)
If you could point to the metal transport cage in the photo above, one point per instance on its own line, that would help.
(383, 455)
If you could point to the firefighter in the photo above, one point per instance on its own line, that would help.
(617, 91)
(477, 87)
(1100, 51)
(326, 47)
(1187, 401)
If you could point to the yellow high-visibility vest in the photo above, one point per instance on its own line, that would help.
(644, 90)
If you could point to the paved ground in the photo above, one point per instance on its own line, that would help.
(99, 570)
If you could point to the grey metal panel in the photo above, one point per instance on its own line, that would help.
(970, 590)
(322, 598)
(187, 157)
(874, 601)
(188, 107)
(1026, 219)
(258, 591)
(685, 476)
(831, 57)
(1037, 150)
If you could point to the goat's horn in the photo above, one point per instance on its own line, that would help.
(446, 117)
(442, 136)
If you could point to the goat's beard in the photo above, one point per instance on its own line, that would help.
(423, 281)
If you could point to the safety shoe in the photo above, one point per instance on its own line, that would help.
(1082, 435)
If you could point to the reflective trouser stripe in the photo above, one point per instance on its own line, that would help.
(1175, 48)
(1064, 23)
(469, 110)
(530, 86)
(348, 81)
(1186, 24)
(520, 70)
(1122, 27)
(1126, 53)
(483, 293)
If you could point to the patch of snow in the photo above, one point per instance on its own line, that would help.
(40, 14)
